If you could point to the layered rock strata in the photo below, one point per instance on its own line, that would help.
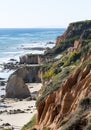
(62, 104)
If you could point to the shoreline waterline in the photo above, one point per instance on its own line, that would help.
(15, 43)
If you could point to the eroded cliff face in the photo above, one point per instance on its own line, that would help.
(65, 99)
(59, 107)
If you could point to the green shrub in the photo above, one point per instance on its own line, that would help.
(61, 47)
(69, 42)
(85, 49)
(64, 45)
(89, 36)
(85, 103)
(48, 74)
(72, 58)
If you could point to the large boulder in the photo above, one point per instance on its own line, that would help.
(16, 88)
(32, 59)
(29, 59)
(16, 85)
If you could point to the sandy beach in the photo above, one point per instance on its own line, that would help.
(18, 112)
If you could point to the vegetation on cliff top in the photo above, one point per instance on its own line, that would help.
(76, 31)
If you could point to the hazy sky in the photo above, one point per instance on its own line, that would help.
(42, 13)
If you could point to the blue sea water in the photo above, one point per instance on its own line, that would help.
(13, 41)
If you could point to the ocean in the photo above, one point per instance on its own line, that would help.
(17, 42)
(14, 43)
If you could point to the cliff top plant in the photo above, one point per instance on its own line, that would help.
(81, 23)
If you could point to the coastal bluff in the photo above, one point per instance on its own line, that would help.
(64, 101)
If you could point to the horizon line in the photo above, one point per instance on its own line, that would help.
(33, 28)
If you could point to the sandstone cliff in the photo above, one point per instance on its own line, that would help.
(59, 107)
(69, 107)
(65, 99)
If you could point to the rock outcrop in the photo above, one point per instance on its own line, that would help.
(69, 106)
(16, 85)
(65, 99)
(61, 105)
(31, 59)
(16, 88)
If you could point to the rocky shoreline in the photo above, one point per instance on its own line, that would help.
(19, 102)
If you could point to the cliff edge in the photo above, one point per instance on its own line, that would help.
(64, 101)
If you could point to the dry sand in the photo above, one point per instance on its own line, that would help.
(20, 119)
